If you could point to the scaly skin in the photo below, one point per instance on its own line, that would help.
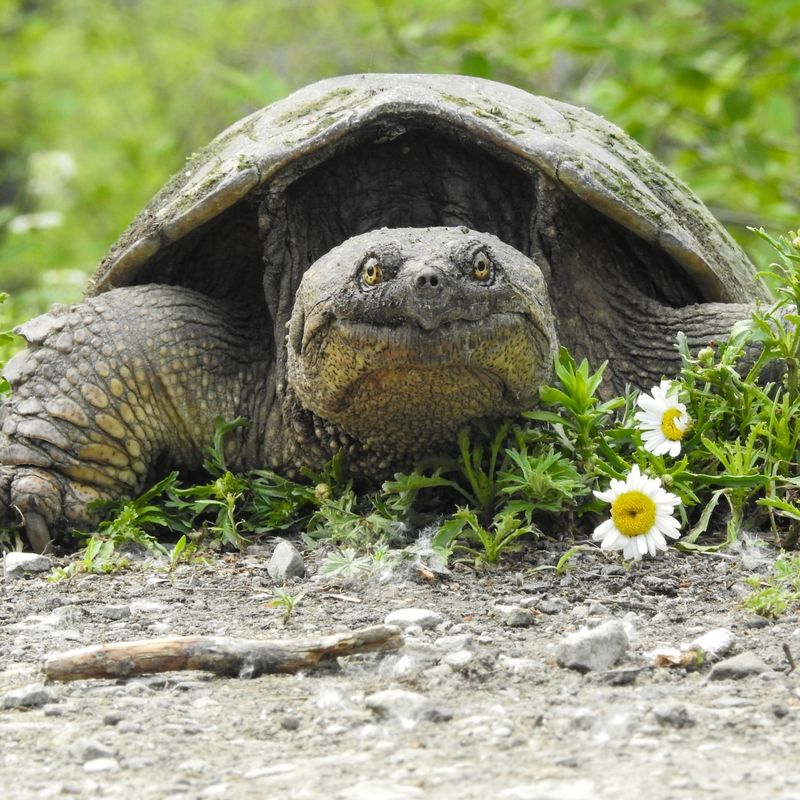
(111, 388)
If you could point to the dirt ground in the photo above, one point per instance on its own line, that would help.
(475, 705)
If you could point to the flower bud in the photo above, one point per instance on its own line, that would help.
(706, 357)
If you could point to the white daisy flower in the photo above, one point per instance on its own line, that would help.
(663, 420)
(641, 516)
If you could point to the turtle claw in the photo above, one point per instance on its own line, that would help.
(32, 499)
(38, 533)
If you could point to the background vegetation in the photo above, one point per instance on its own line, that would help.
(101, 102)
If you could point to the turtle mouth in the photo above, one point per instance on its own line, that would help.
(452, 340)
(395, 386)
(507, 355)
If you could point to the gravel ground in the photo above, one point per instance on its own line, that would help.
(478, 703)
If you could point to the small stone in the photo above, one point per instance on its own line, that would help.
(459, 660)
(520, 666)
(17, 565)
(566, 761)
(455, 643)
(101, 765)
(113, 612)
(621, 677)
(780, 710)
(674, 715)
(712, 644)
(418, 617)
(593, 649)
(286, 562)
(737, 667)
(89, 750)
(35, 695)
(665, 586)
(515, 616)
(407, 707)
(375, 790)
(598, 610)
(552, 605)
(289, 722)
(147, 607)
(551, 790)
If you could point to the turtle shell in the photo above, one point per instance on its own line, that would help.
(349, 154)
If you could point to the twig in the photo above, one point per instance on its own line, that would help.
(346, 598)
(221, 655)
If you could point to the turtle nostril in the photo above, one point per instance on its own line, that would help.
(428, 280)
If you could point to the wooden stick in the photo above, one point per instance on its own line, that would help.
(221, 655)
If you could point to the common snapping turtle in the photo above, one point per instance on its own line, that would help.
(368, 264)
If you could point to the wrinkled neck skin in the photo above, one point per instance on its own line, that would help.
(646, 350)
(399, 337)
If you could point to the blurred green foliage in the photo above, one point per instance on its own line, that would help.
(101, 102)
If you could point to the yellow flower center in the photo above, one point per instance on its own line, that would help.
(669, 426)
(634, 513)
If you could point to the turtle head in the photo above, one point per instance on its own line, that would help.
(400, 336)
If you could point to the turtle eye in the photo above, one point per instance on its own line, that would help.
(371, 272)
(481, 267)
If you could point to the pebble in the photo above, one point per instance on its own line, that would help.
(413, 658)
(714, 643)
(665, 586)
(451, 644)
(621, 677)
(674, 715)
(551, 790)
(515, 616)
(413, 617)
(521, 665)
(371, 790)
(129, 726)
(147, 607)
(779, 709)
(84, 750)
(552, 605)
(459, 660)
(17, 565)
(737, 667)
(286, 562)
(593, 649)
(597, 610)
(34, 695)
(289, 722)
(101, 765)
(406, 707)
(113, 612)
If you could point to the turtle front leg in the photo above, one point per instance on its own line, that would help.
(114, 387)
